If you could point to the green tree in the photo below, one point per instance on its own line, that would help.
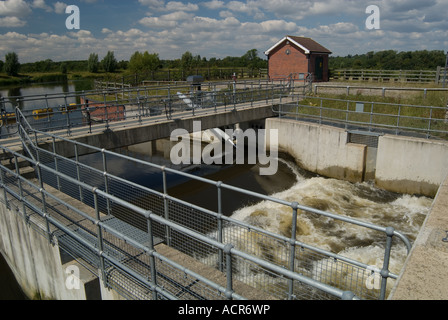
(109, 62)
(144, 62)
(63, 68)
(93, 64)
(1, 65)
(186, 62)
(251, 59)
(12, 64)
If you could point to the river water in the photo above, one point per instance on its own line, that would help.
(362, 201)
(358, 200)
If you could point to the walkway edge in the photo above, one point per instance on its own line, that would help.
(425, 273)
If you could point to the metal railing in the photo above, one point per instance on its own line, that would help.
(279, 265)
(386, 75)
(82, 110)
(429, 121)
(383, 90)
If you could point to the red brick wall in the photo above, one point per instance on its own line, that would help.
(282, 65)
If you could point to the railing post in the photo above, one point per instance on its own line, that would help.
(165, 206)
(78, 173)
(67, 112)
(398, 120)
(100, 237)
(44, 204)
(220, 227)
(292, 253)
(429, 124)
(105, 111)
(106, 180)
(152, 261)
(229, 273)
(22, 199)
(56, 166)
(385, 270)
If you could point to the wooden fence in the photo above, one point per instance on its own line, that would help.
(415, 76)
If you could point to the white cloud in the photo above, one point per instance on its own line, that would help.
(173, 27)
(15, 8)
(10, 22)
(59, 7)
(40, 4)
(214, 4)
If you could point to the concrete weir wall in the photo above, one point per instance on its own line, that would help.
(38, 266)
(411, 165)
(400, 164)
(320, 149)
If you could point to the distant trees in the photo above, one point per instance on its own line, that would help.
(12, 64)
(391, 60)
(93, 63)
(251, 60)
(144, 62)
(109, 62)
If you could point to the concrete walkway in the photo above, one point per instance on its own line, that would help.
(425, 274)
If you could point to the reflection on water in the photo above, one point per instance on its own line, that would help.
(41, 90)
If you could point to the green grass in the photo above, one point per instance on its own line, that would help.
(414, 110)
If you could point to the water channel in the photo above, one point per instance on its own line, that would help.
(359, 200)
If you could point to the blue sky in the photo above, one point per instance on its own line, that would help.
(35, 29)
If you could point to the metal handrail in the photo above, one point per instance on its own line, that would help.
(294, 206)
(292, 110)
(227, 248)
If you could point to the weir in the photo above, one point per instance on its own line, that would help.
(142, 243)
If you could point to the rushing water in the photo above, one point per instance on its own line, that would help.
(358, 200)
(362, 201)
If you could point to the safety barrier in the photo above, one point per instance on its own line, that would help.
(120, 237)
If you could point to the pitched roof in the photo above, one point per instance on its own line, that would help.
(306, 44)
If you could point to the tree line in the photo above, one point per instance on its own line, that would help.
(391, 60)
(138, 62)
(148, 62)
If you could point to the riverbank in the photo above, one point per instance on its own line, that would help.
(32, 78)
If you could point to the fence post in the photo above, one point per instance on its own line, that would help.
(229, 272)
(100, 237)
(56, 165)
(385, 269)
(165, 206)
(152, 261)
(220, 229)
(106, 180)
(20, 188)
(78, 173)
(44, 204)
(292, 253)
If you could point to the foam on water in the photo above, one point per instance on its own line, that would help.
(361, 201)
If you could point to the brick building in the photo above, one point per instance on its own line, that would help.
(298, 56)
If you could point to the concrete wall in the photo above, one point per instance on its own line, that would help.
(411, 165)
(400, 164)
(320, 149)
(37, 265)
(137, 134)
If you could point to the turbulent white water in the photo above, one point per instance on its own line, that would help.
(361, 201)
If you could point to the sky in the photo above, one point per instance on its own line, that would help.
(36, 29)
